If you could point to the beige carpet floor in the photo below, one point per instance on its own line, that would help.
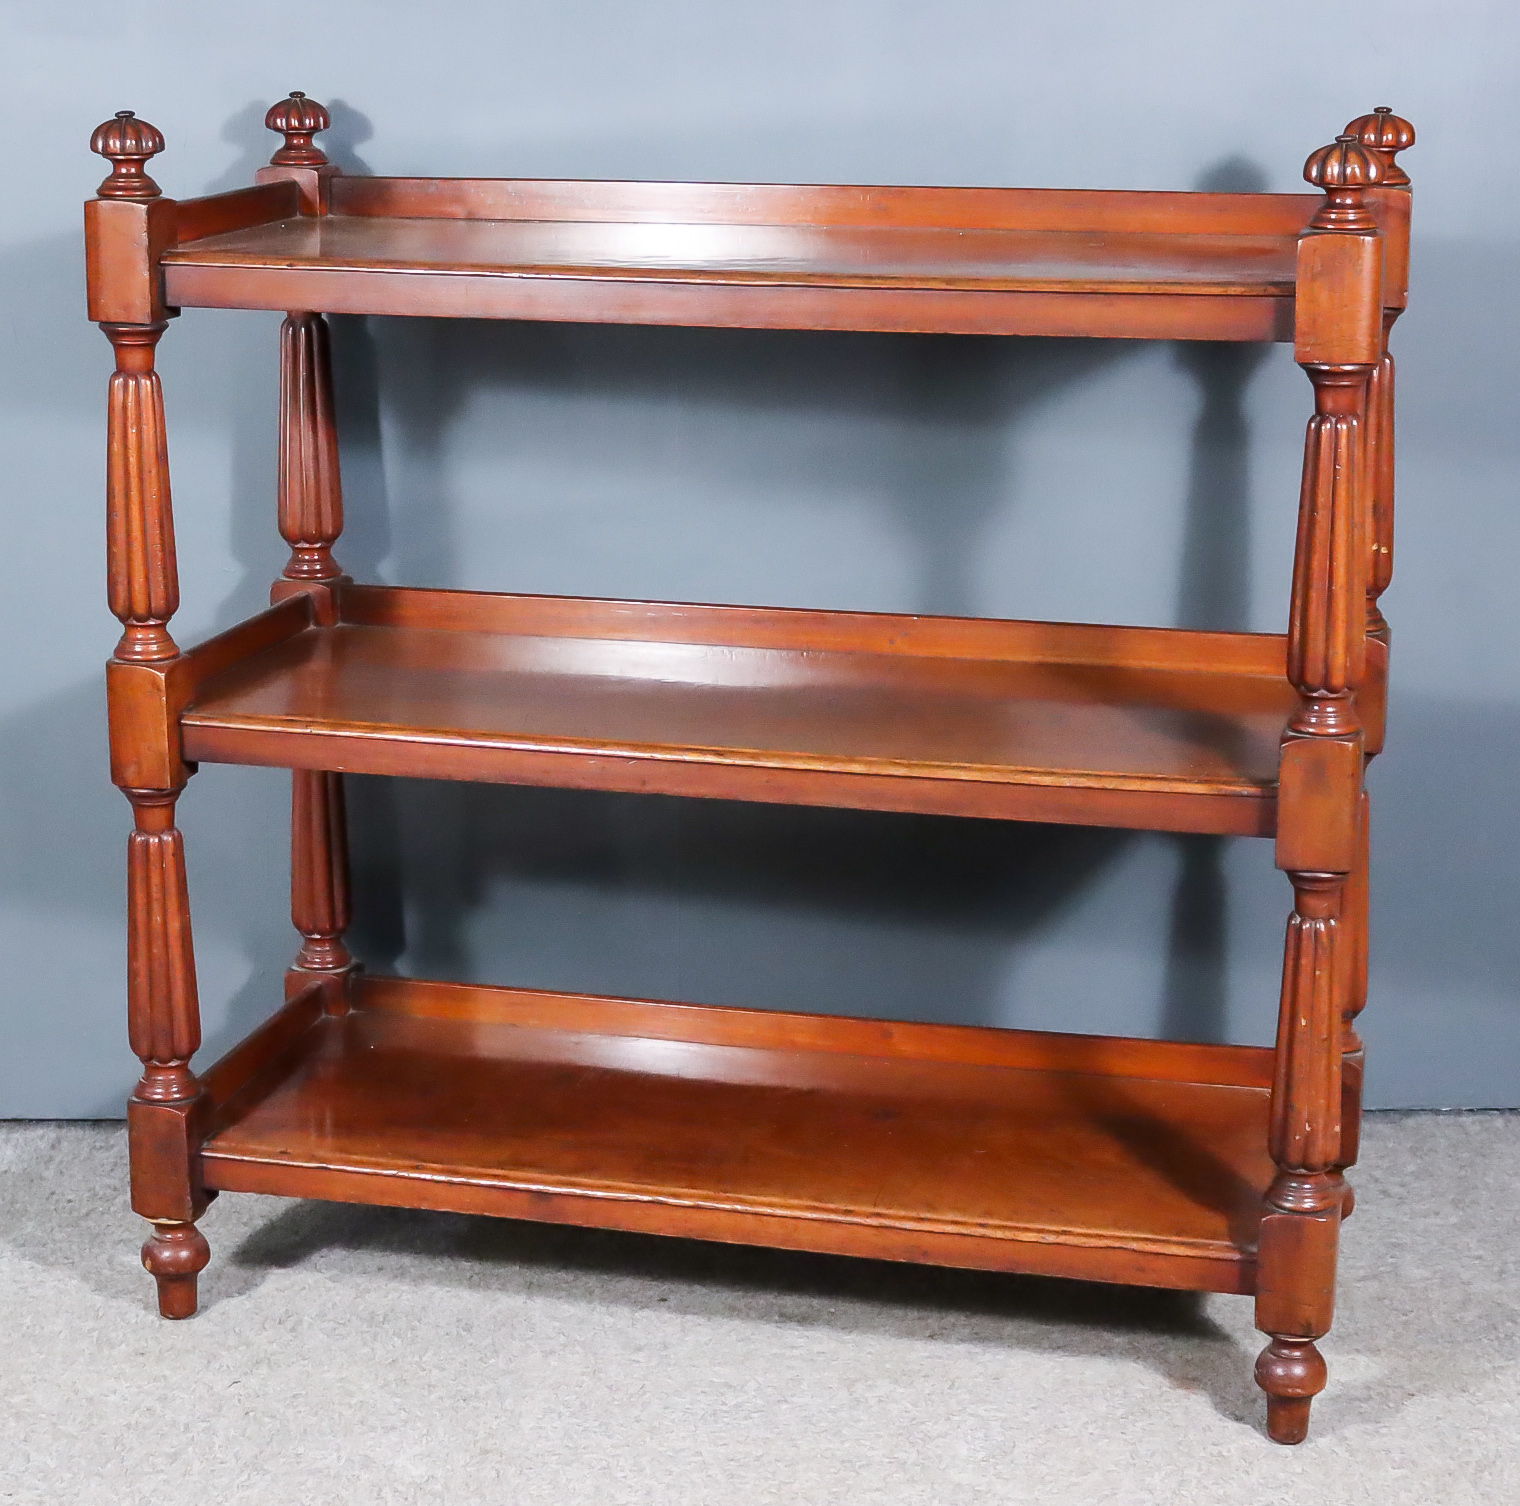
(372, 1356)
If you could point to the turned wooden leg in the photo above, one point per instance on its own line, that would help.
(1300, 1229)
(319, 889)
(1292, 1374)
(164, 1113)
(174, 1255)
(1339, 344)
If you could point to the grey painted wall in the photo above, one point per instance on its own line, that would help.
(1129, 482)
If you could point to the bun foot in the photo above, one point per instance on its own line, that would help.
(174, 1256)
(1292, 1373)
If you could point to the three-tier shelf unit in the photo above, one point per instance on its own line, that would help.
(1205, 1167)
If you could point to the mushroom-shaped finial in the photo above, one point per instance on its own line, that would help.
(1345, 170)
(127, 143)
(298, 119)
(1386, 134)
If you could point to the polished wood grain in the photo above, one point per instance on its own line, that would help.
(801, 630)
(319, 885)
(166, 1108)
(1008, 1167)
(778, 1030)
(142, 578)
(1339, 342)
(834, 256)
(1385, 135)
(127, 143)
(298, 119)
(726, 718)
(852, 206)
(1209, 1167)
(1144, 284)
(310, 485)
(238, 209)
(165, 1113)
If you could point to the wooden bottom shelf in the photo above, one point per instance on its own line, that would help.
(1106, 1159)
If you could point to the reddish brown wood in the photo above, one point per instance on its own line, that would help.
(1327, 646)
(319, 902)
(127, 143)
(776, 1030)
(240, 209)
(1214, 1168)
(885, 257)
(996, 1166)
(780, 306)
(796, 630)
(1385, 134)
(311, 490)
(1105, 741)
(142, 577)
(1379, 462)
(148, 700)
(1300, 1226)
(298, 119)
(311, 518)
(813, 204)
(128, 227)
(300, 162)
(1355, 951)
(164, 1116)
(1339, 339)
(254, 636)
(1338, 311)
(256, 1063)
(174, 1255)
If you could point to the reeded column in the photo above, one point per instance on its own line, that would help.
(311, 492)
(1339, 342)
(1327, 644)
(1300, 1229)
(163, 1013)
(311, 518)
(143, 579)
(163, 1021)
(1385, 135)
(319, 884)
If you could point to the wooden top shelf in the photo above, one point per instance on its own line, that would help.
(991, 261)
(1031, 721)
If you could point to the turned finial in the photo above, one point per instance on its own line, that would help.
(298, 119)
(1345, 170)
(1386, 134)
(128, 143)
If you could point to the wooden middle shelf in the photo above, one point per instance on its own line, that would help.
(1121, 726)
(1116, 1160)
